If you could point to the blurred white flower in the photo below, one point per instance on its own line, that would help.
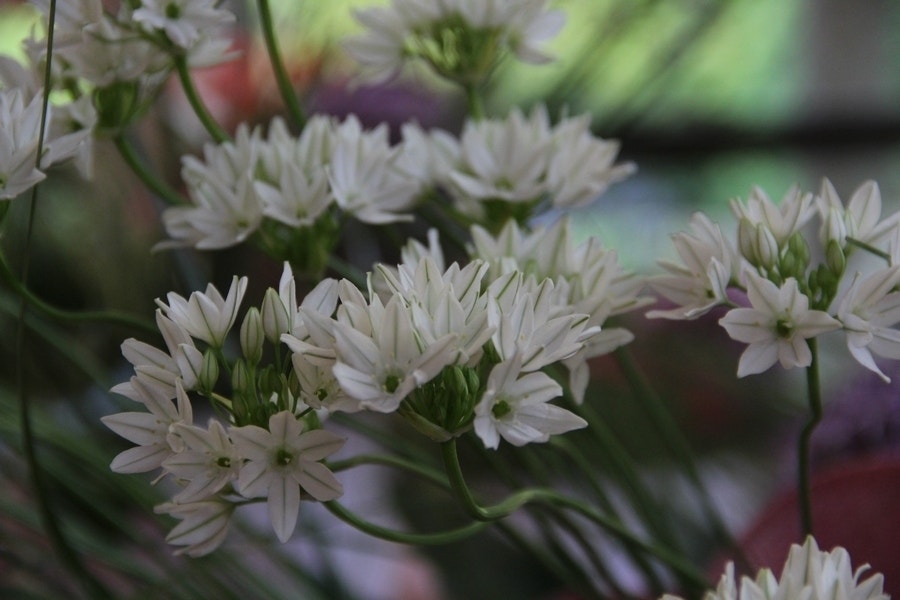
(283, 461)
(784, 220)
(700, 284)
(204, 525)
(516, 407)
(184, 22)
(869, 309)
(860, 219)
(412, 29)
(808, 573)
(777, 326)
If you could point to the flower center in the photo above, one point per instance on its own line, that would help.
(283, 458)
(784, 328)
(173, 11)
(391, 383)
(501, 409)
(223, 461)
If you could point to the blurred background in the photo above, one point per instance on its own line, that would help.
(707, 97)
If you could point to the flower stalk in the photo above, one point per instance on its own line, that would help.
(804, 488)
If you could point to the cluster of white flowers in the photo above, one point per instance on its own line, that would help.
(299, 183)
(508, 167)
(459, 39)
(271, 446)
(808, 573)
(792, 297)
(450, 350)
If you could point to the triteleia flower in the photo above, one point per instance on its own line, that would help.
(784, 220)
(208, 462)
(776, 327)
(808, 574)
(184, 22)
(206, 316)
(154, 431)
(860, 219)
(700, 284)
(283, 461)
(204, 525)
(869, 310)
(517, 408)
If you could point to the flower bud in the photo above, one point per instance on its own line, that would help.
(209, 372)
(252, 336)
(275, 317)
(834, 257)
(241, 380)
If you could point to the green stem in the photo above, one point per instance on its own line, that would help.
(196, 102)
(156, 185)
(504, 508)
(402, 537)
(105, 316)
(474, 101)
(281, 75)
(674, 439)
(868, 248)
(61, 545)
(803, 448)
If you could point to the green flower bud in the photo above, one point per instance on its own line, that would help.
(252, 336)
(834, 258)
(275, 317)
(241, 380)
(117, 105)
(208, 375)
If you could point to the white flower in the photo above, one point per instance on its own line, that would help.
(409, 29)
(298, 199)
(154, 432)
(519, 312)
(700, 284)
(380, 355)
(808, 574)
(502, 160)
(282, 461)
(777, 326)
(783, 221)
(184, 22)
(208, 463)
(581, 166)
(206, 316)
(868, 311)
(428, 157)
(159, 368)
(204, 525)
(516, 408)
(364, 179)
(861, 219)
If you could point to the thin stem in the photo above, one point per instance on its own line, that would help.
(61, 545)
(676, 442)
(106, 316)
(868, 248)
(281, 75)
(402, 537)
(504, 508)
(474, 102)
(156, 185)
(196, 102)
(814, 392)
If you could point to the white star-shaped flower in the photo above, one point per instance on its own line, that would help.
(206, 316)
(283, 461)
(517, 409)
(869, 310)
(204, 525)
(208, 463)
(777, 326)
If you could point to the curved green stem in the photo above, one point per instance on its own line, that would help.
(549, 496)
(196, 102)
(64, 550)
(803, 447)
(105, 316)
(281, 75)
(156, 185)
(402, 537)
